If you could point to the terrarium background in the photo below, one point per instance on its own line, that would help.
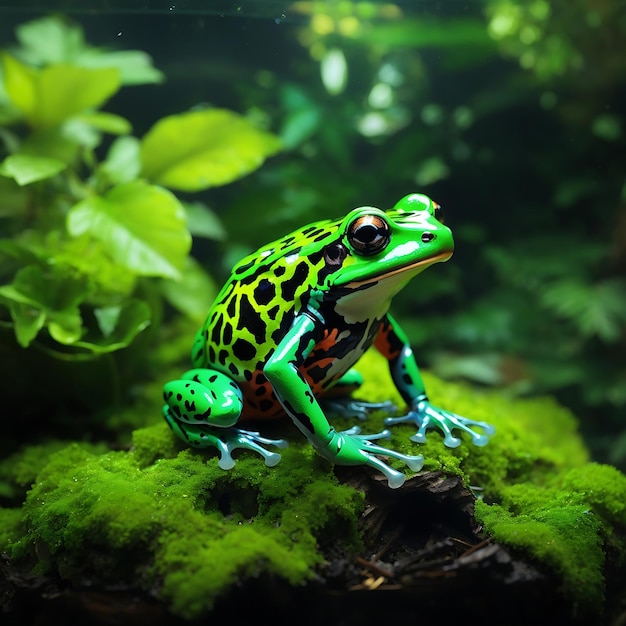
(509, 113)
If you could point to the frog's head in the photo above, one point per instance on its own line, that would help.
(375, 245)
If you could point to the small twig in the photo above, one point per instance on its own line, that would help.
(462, 542)
(373, 567)
(476, 547)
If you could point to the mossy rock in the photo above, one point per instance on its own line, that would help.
(166, 523)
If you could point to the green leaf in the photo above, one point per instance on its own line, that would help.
(26, 169)
(300, 125)
(55, 143)
(135, 67)
(50, 40)
(107, 122)
(117, 326)
(39, 297)
(28, 320)
(55, 40)
(55, 93)
(596, 309)
(13, 199)
(194, 293)
(202, 222)
(123, 163)
(203, 149)
(141, 226)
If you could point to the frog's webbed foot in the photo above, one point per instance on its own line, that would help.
(351, 448)
(225, 440)
(236, 438)
(345, 406)
(426, 416)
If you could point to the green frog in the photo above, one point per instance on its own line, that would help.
(286, 329)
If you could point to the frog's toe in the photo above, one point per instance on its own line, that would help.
(355, 432)
(250, 440)
(414, 463)
(350, 407)
(394, 478)
(467, 425)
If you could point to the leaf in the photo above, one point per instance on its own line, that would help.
(57, 92)
(26, 169)
(135, 66)
(123, 163)
(13, 199)
(84, 256)
(299, 126)
(107, 122)
(203, 149)
(55, 40)
(28, 320)
(117, 326)
(141, 226)
(50, 40)
(37, 297)
(596, 309)
(202, 222)
(194, 293)
(55, 143)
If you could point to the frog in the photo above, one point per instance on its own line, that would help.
(287, 328)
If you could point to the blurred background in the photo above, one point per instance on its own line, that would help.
(509, 113)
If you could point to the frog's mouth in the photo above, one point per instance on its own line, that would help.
(422, 263)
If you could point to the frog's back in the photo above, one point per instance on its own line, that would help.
(256, 306)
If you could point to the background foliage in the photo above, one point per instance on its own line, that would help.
(508, 112)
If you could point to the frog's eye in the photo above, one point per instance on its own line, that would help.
(335, 253)
(369, 234)
(438, 212)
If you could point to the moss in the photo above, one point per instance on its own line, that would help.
(568, 523)
(19, 470)
(202, 527)
(168, 517)
(10, 525)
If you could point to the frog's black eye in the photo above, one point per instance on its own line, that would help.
(369, 234)
(335, 253)
(438, 212)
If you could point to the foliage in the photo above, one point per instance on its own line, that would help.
(89, 218)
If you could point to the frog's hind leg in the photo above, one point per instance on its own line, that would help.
(338, 400)
(201, 408)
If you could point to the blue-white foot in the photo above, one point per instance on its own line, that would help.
(237, 438)
(426, 416)
(395, 478)
(225, 440)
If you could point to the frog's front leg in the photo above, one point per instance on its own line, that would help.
(201, 409)
(298, 401)
(392, 342)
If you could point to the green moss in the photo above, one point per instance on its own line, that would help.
(168, 517)
(10, 526)
(567, 523)
(200, 528)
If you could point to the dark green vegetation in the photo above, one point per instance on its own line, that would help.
(506, 112)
